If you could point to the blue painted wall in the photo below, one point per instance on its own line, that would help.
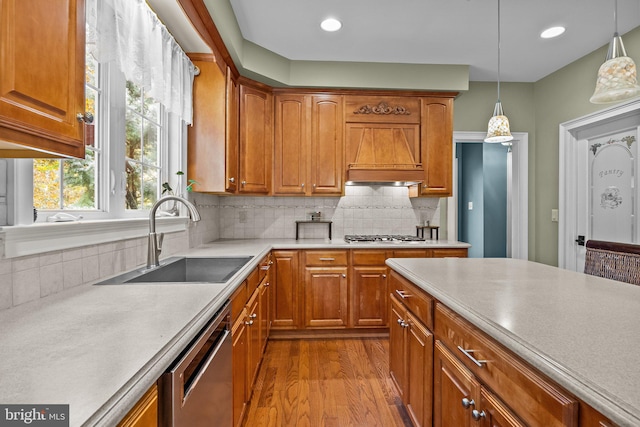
(482, 180)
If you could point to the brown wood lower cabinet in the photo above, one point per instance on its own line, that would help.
(145, 412)
(284, 293)
(240, 368)
(411, 362)
(437, 357)
(325, 289)
(460, 400)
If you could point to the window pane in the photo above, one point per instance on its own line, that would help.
(151, 143)
(133, 196)
(91, 73)
(79, 190)
(46, 184)
(150, 187)
(132, 137)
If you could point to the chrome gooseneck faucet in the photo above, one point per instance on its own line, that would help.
(155, 242)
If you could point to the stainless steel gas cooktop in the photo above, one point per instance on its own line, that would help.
(398, 238)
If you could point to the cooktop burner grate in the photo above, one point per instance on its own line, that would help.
(354, 238)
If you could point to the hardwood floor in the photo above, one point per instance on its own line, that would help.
(326, 382)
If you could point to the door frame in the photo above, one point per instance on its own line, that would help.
(518, 186)
(567, 191)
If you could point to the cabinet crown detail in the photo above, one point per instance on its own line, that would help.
(383, 109)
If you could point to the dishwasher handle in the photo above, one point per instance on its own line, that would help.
(187, 388)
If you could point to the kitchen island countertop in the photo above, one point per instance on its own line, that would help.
(99, 348)
(579, 330)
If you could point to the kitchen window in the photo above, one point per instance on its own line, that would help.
(139, 87)
(126, 160)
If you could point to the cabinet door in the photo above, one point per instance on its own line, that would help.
(494, 413)
(397, 349)
(437, 146)
(255, 141)
(145, 412)
(240, 368)
(284, 297)
(325, 303)
(253, 338)
(42, 77)
(232, 133)
(206, 152)
(327, 145)
(420, 372)
(455, 391)
(291, 142)
(265, 293)
(369, 296)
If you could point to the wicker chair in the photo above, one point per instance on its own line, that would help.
(613, 260)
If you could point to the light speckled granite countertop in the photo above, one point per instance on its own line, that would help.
(99, 348)
(580, 330)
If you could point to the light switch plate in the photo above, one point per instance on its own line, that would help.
(470, 206)
(554, 215)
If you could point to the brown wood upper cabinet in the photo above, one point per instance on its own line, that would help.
(42, 68)
(436, 136)
(308, 144)
(255, 139)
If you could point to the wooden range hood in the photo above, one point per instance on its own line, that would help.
(385, 154)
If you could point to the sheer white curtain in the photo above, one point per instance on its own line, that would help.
(129, 33)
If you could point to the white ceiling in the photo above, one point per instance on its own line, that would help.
(435, 32)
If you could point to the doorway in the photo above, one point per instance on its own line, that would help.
(598, 181)
(517, 226)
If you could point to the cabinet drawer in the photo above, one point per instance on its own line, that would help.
(264, 267)
(532, 397)
(449, 253)
(415, 299)
(253, 281)
(368, 257)
(322, 258)
(238, 301)
(411, 253)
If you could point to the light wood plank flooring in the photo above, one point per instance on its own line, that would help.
(326, 382)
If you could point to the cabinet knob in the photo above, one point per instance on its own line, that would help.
(302, 185)
(384, 276)
(232, 180)
(249, 323)
(468, 403)
(478, 415)
(85, 118)
(314, 186)
(243, 183)
(344, 276)
(253, 315)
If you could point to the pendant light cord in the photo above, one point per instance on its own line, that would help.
(615, 17)
(499, 50)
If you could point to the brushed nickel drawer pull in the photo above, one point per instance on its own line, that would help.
(478, 415)
(327, 259)
(469, 354)
(468, 403)
(402, 294)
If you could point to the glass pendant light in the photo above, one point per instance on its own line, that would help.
(617, 79)
(498, 130)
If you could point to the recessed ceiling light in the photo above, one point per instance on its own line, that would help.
(331, 24)
(552, 32)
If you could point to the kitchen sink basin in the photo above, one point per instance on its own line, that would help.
(184, 269)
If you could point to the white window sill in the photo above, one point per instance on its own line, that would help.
(22, 240)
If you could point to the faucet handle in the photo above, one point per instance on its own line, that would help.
(160, 240)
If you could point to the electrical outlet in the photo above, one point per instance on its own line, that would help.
(554, 215)
(470, 206)
(243, 217)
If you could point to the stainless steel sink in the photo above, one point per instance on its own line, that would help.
(184, 269)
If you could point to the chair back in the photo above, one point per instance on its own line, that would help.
(613, 260)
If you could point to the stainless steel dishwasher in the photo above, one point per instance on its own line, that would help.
(197, 391)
